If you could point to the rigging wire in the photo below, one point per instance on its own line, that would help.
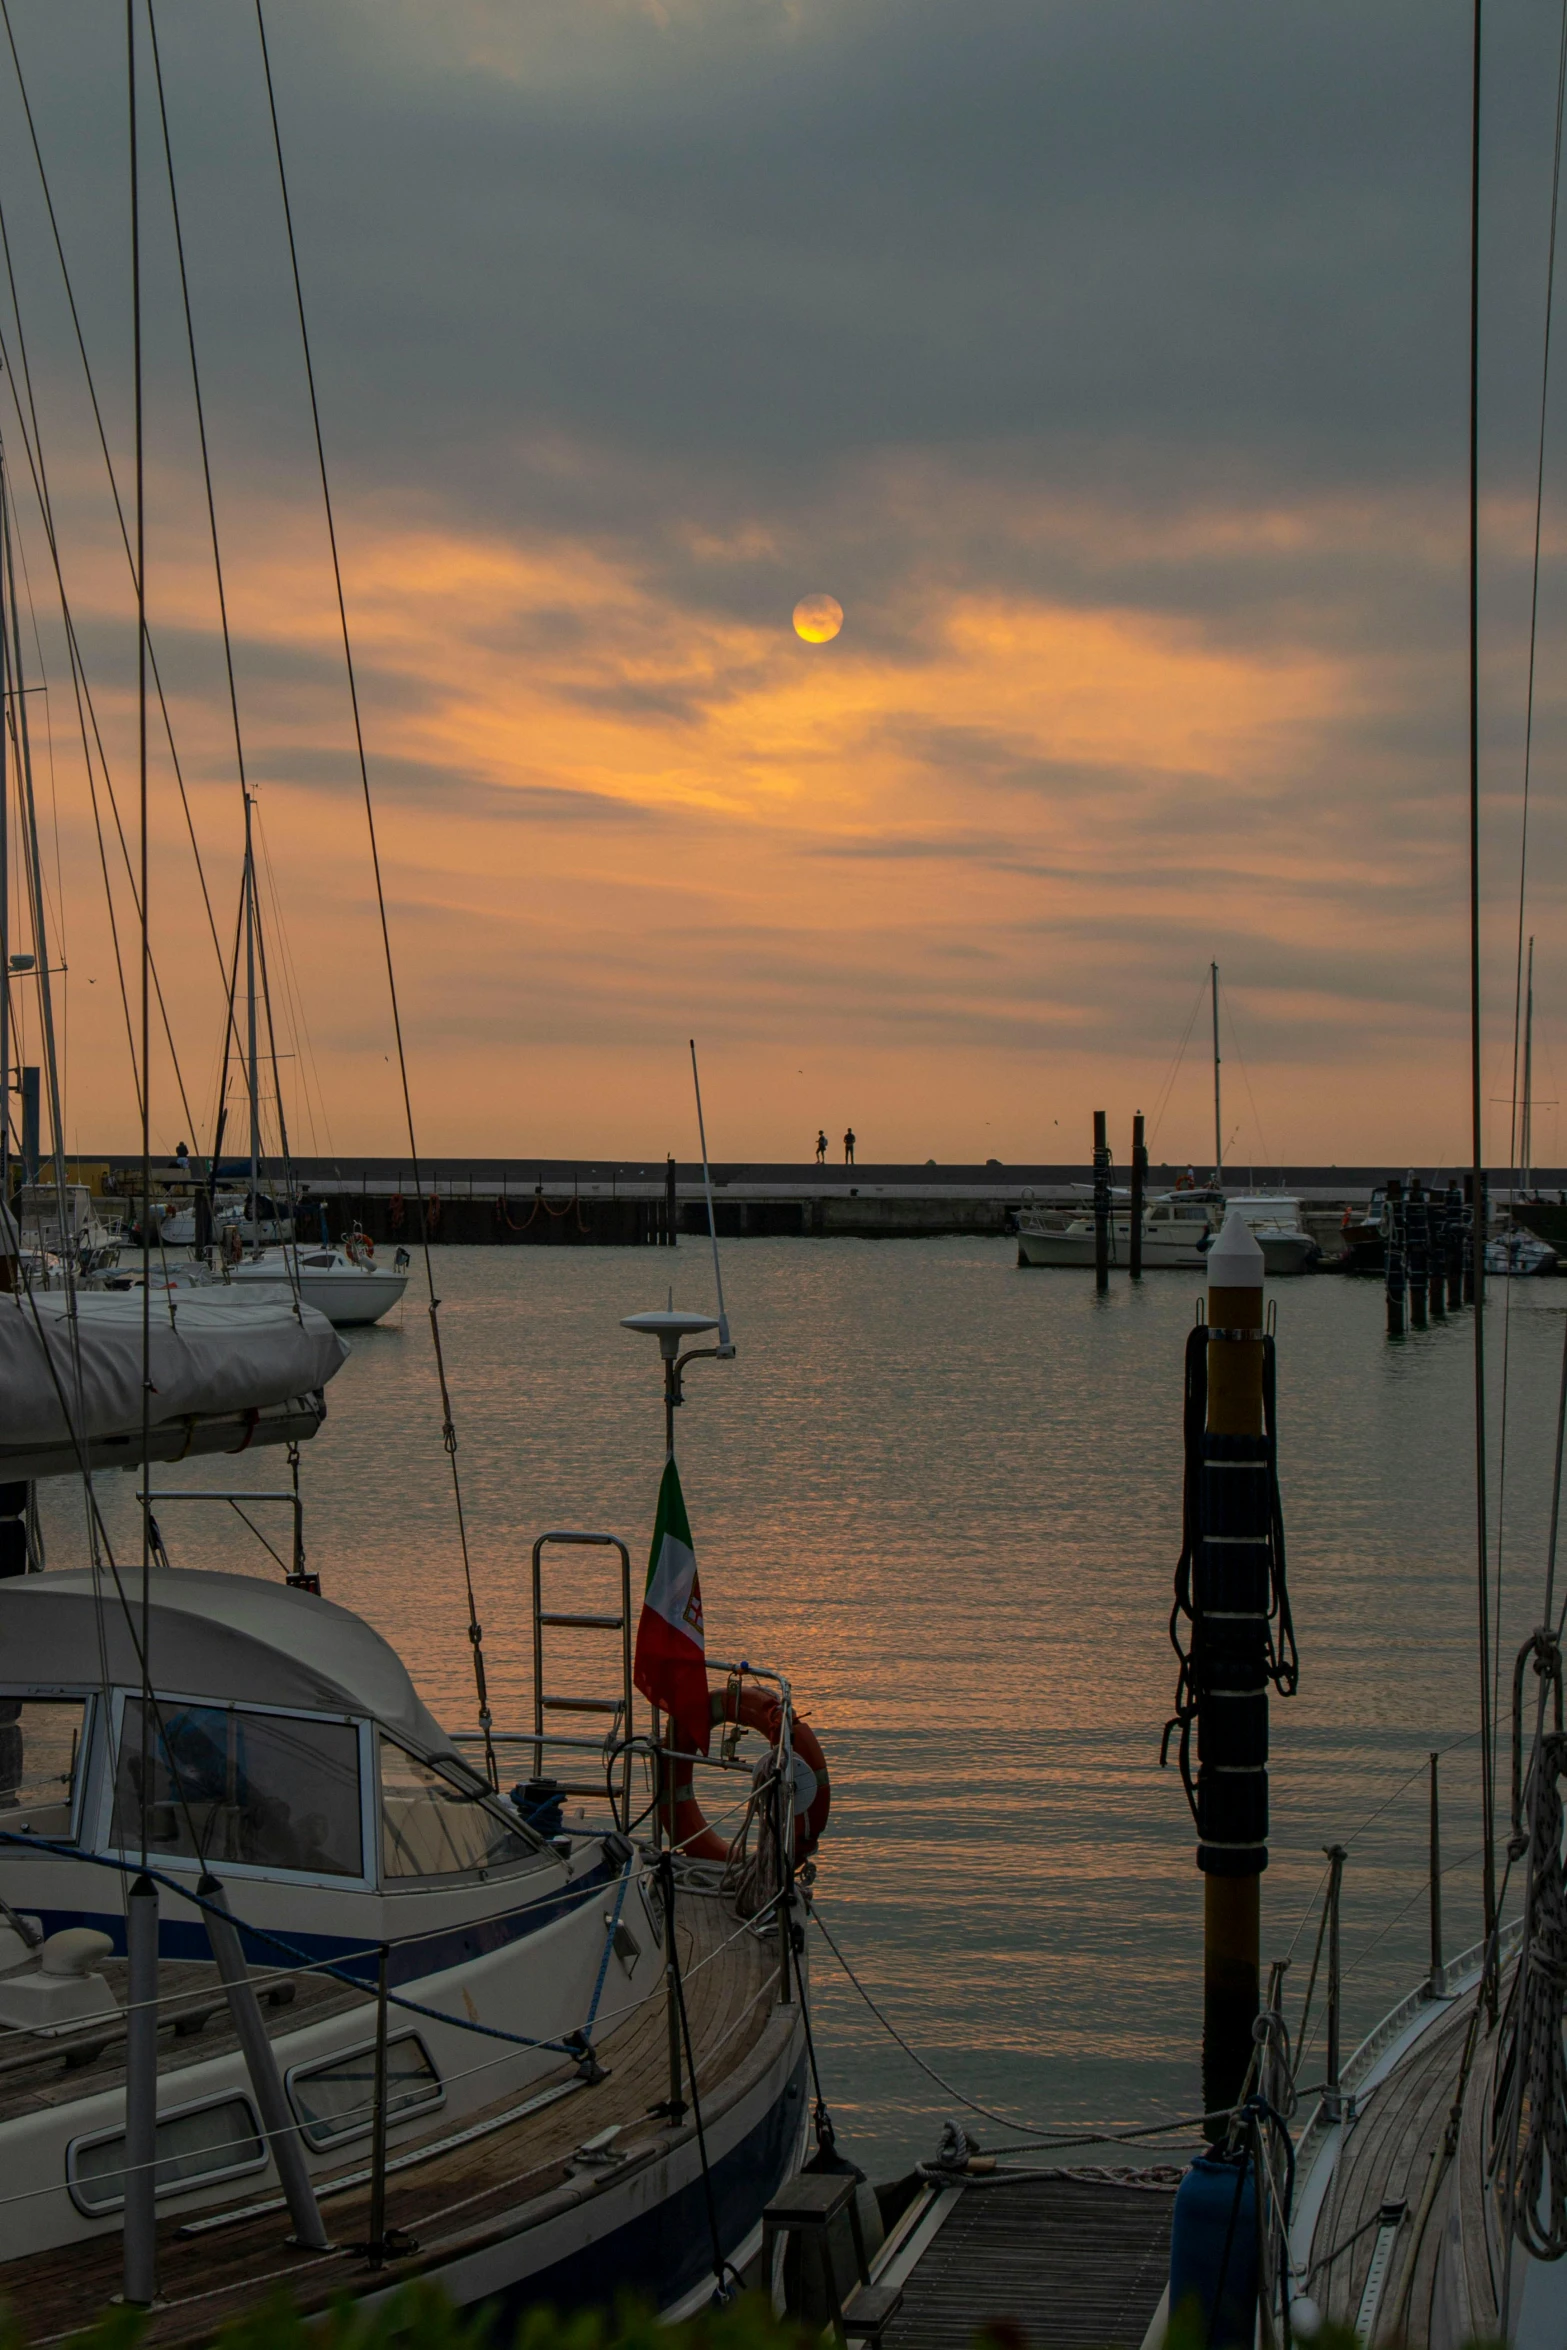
(1513, 1150)
(448, 1425)
(1162, 1100)
(114, 491)
(1477, 1132)
(145, 1217)
(87, 713)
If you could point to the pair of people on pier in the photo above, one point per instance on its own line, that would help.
(848, 1147)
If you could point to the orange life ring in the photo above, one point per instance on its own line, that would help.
(758, 1709)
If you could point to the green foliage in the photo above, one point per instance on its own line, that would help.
(418, 2316)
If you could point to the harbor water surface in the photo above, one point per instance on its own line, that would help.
(943, 1495)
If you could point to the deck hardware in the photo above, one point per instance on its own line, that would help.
(1389, 2220)
(1333, 2104)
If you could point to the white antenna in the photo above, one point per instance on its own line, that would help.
(725, 1342)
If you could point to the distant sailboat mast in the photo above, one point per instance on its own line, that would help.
(250, 1014)
(1218, 1122)
(1526, 1121)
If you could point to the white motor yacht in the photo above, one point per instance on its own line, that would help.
(346, 1284)
(1178, 1230)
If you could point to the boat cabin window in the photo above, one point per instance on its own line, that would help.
(205, 2142)
(435, 1826)
(40, 1748)
(336, 2100)
(271, 1791)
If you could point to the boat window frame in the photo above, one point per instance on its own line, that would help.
(252, 1871)
(475, 1788)
(251, 2163)
(49, 1693)
(309, 2066)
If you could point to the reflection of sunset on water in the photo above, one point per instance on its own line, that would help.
(945, 1496)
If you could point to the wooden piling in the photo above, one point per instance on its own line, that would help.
(1416, 1265)
(1454, 1253)
(1101, 1205)
(1232, 1782)
(1139, 1181)
(1393, 1257)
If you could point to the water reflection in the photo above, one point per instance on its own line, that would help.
(945, 1495)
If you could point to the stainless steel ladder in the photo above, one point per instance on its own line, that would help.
(574, 1620)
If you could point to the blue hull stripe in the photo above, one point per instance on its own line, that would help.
(666, 2251)
(411, 1959)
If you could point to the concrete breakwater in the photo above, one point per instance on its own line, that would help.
(557, 1203)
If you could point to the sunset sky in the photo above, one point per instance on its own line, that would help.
(1107, 363)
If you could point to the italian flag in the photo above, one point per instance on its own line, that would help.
(671, 1663)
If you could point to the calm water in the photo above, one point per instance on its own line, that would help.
(944, 1495)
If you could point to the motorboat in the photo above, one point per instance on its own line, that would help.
(63, 1232)
(1516, 1254)
(346, 1284)
(1178, 1230)
(1274, 1221)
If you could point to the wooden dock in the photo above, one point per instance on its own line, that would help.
(1066, 2261)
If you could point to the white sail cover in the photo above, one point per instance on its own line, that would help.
(72, 1369)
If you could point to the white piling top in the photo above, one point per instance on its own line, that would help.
(1235, 1260)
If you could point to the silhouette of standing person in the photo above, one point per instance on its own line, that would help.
(821, 1146)
(848, 1146)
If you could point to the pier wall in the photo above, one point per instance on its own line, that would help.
(626, 1204)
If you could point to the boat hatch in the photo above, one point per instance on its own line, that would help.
(242, 1785)
(433, 1825)
(218, 2139)
(41, 1745)
(336, 2100)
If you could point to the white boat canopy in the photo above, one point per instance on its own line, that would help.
(211, 1635)
(226, 1372)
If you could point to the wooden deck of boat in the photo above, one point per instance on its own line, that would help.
(208, 2276)
(1075, 2263)
(194, 2027)
(1386, 2160)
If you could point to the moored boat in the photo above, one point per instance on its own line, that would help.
(1178, 1230)
(442, 2025)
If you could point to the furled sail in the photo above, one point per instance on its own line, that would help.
(227, 1372)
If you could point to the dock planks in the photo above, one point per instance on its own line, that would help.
(1077, 2264)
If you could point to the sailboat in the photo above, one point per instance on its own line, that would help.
(1180, 1226)
(259, 1255)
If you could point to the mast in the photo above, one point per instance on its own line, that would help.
(32, 877)
(1476, 1126)
(1218, 1124)
(1526, 1124)
(5, 871)
(252, 1062)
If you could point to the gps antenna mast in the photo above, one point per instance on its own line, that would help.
(725, 1342)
